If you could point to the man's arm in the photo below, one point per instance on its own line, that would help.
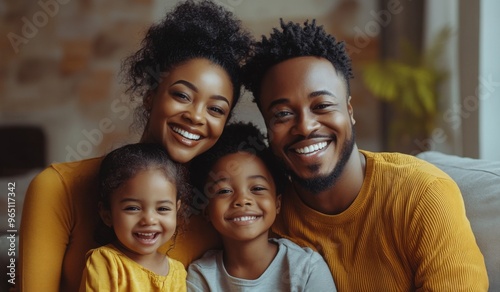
(441, 244)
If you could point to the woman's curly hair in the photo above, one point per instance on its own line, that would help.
(191, 30)
(294, 41)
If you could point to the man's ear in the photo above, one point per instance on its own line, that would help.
(350, 110)
(278, 204)
(105, 214)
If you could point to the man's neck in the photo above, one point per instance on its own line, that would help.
(340, 196)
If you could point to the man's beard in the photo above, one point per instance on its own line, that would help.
(321, 183)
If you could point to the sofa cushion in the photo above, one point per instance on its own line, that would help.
(479, 182)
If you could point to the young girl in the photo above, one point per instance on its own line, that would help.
(243, 187)
(141, 191)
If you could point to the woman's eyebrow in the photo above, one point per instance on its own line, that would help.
(186, 83)
(195, 89)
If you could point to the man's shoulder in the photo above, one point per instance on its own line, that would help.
(395, 158)
(403, 164)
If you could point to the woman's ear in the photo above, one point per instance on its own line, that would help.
(178, 205)
(278, 204)
(105, 214)
(147, 101)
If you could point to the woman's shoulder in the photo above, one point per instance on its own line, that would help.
(68, 172)
(76, 168)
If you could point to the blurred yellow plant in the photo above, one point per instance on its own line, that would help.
(410, 85)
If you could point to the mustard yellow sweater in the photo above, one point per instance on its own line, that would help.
(108, 269)
(407, 230)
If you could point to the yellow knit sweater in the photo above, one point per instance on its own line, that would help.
(407, 230)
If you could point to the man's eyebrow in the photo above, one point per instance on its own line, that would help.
(311, 95)
(276, 102)
(320, 93)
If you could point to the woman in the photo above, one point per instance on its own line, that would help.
(197, 51)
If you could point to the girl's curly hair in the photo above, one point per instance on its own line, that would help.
(294, 41)
(191, 30)
(124, 163)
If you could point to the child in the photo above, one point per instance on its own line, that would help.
(243, 187)
(141, 191)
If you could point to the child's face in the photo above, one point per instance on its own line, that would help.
(243, 202)
(143, 213)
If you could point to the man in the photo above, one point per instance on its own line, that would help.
(382, 221)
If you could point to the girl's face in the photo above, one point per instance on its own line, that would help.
(189, 109)
(143, 213)
(243, 202)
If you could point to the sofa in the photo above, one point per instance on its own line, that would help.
(479, 181)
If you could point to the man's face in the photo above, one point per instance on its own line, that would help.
(309, 119)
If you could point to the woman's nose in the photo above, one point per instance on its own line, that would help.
(195, 114)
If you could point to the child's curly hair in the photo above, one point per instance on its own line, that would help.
(237, 137)
(191, 30)
(294, 41)
(124, 163)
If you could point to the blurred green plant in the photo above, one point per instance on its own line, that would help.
(410, 85)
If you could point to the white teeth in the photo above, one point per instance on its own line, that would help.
(245, 218)
(186, 134)
(311, 148)
(145, 234)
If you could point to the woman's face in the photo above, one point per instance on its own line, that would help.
(189, 109)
